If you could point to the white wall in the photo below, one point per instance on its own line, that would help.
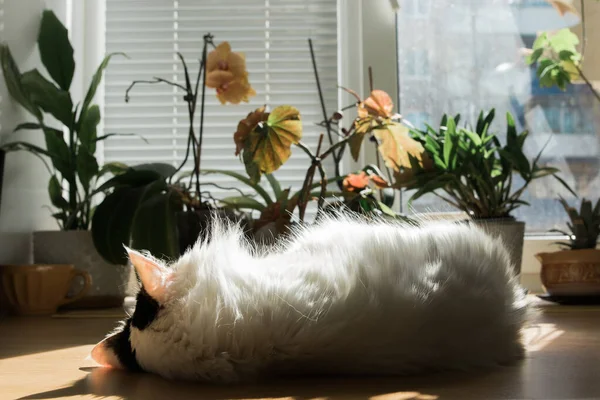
(24, 192)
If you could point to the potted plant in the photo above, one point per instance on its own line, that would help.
(157, 206)
(472, 171)
(73, 168)
(575, 270)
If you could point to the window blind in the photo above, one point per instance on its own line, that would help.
(273, 35)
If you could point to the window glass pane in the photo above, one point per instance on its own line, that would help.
(464, 56)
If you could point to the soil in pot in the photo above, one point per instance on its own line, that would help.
(571, 272)
(109, 282)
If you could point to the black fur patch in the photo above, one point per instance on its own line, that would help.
(120, 344)
(146, 310)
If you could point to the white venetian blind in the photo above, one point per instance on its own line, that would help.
(273, 35)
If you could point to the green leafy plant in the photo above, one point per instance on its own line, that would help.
(557, 58)
(556, 54)
(584, 225)
(73, 168)
(472, 170)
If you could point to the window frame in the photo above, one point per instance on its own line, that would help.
(366, 31)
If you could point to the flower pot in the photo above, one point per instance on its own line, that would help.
(510, 232)
(571, 272)
(109, 282)
(40, 289)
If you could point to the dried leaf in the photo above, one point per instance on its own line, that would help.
(378, 104)
(395, 146)
(362, 127)
(270, 141)
(246, 126)
(563, 6)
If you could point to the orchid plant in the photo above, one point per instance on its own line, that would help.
(146, 202)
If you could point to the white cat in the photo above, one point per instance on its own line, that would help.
(344, 296)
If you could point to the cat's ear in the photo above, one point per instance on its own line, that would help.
(104, 354)
(155, 278)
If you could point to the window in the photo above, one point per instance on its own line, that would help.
(273, 35)
(415, 62)
(475, 64)
(416, 8)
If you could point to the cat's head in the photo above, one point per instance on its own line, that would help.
(150, 339)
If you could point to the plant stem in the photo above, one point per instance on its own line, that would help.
(73, 178)
(588, 83)
(583, 33)
(156, 80)
(207, 38)
(336, 159)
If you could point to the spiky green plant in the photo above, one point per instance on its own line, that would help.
(584, 225)
(472, 170)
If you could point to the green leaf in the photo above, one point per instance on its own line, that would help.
(12, 77)
(565, 184)
(541, 172)
(55, 50)
(511, 132)
(564, 40)
(242, 179)
(87, 128)
(115, 168)
(55, 192)
(473, 137)
(27, 126)
(131, 178)
(534, 56)
(162, 169)
(541, 41)
(108, 135)
(155, 225)
(96, 79)
(252, 168)
(19, 146)
(559, 231)
(243, 202)
(449, 141)
(114, 218)
(48, 97)
(87, 167)
(274, 184)
(386, 210)
(59, 152)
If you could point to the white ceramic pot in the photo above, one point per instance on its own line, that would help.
(110, 283)
(512, 234)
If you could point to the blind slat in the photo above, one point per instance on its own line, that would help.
(273, 36)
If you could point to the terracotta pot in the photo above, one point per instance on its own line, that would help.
(571, 272)
(109, 282)
(41, 289)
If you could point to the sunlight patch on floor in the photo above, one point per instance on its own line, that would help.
(404, 396)
(538, 336)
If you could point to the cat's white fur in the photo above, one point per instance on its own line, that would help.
(343, 296)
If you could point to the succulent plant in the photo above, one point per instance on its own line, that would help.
(584, 225)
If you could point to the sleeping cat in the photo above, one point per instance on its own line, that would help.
(344, 296)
